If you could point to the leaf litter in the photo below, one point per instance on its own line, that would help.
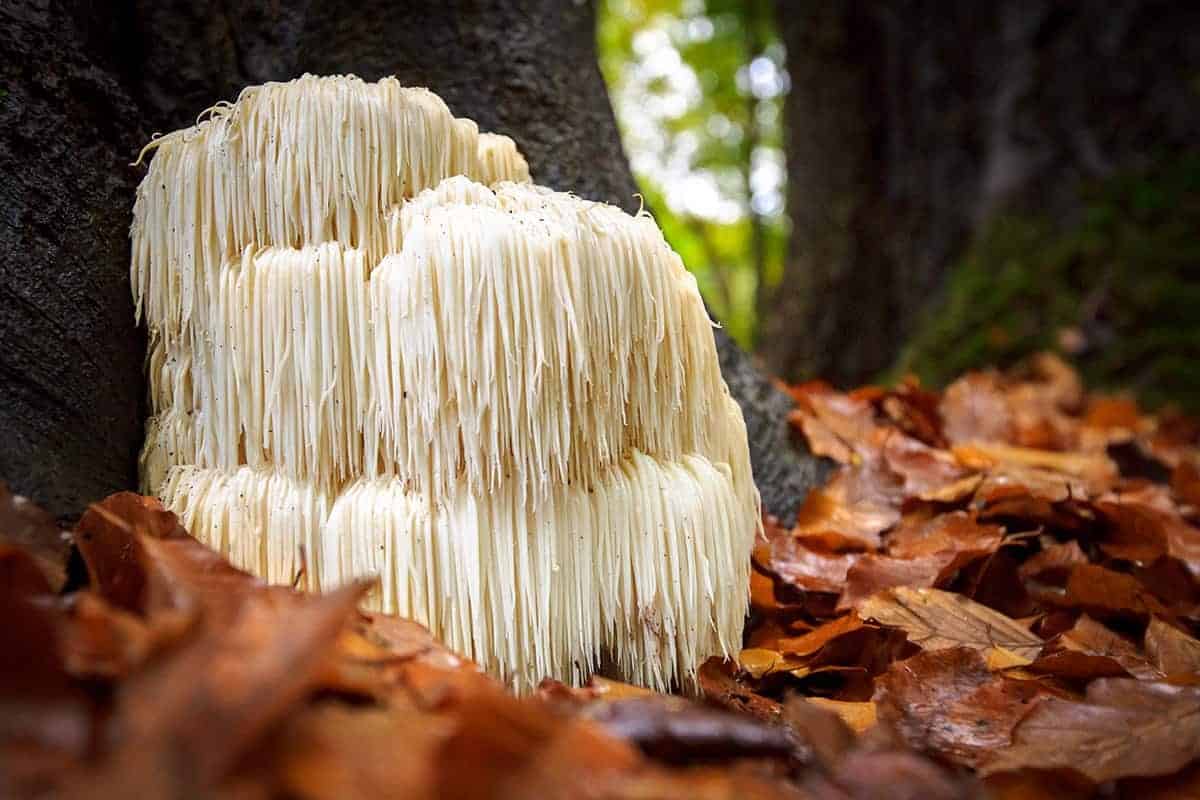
(995, 594)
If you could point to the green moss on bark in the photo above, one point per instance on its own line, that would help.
(1116, 288)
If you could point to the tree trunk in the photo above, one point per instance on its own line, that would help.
(88, 85)
(911, 123)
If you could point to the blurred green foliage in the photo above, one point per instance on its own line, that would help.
(698, 89)
(1117, 290)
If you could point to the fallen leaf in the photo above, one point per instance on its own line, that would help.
(718, 682)
(25, 526)
(1092, 467)
(934, 620)
(330, 751)
(974, 408)
(1091, 639)
(925, 470)
(915, 411)
(813, 641)
(819, 730)
(223, 689)
(857, 505)
(1138, 532)
(1185, 483)
(45, 717)
(1123, 728)
(759, 662)
(1100, 592)
(897, 774)
(836, 425)
(678, 731)
(1172, 650)
(1030, 784)
(859, 717)
(1059, 555)
(872, 574)
(956, 531)
(799, 564)
(1112, 413)
(949, 703)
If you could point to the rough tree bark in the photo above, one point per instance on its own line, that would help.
(911, 123)
(87, 84)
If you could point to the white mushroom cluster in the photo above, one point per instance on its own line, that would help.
(376, 349)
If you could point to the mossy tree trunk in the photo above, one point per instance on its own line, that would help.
(912, 123)
(86, 84)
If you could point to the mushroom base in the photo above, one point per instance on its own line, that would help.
(650, 564)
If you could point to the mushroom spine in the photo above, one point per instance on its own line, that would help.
(375, 348)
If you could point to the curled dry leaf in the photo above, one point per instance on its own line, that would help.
(805, 565)
(1141, 532)
(1123, 728)
(1097, 469)
(956, 531)
(1172, 651)
(872, 574)
(935, 620)
(852, 510)
(1088, 650)
(1098, 591)
(837, 425)
(719, 684)
(1056, 555)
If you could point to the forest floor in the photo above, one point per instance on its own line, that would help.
(996, 594)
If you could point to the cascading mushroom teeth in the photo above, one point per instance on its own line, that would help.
(377, 349)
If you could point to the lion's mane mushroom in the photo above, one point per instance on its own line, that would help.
(375, 348)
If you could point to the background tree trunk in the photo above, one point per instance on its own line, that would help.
(911, 123)
(86, 85)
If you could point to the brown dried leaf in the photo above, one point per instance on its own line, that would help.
(1054, 556)
(914, 410)
(800, 564)
(925, 470)
(837, 425)
(813, 641)
(1096, 469)
(974, 408)
(949, 702)
(45, 719)
(1139, 532)
(859, 717)
(872, 574)
(1172, 650)
(330, 751)
(33, 530)
(209, 703)
(758, 662)
(866, 774)
(719, 683)
(1124, 728)
(857, 505)
(934, 620)
(1100, 592)
(1185, 483)
(956, 531)
(1097, 641)
(676, 731)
